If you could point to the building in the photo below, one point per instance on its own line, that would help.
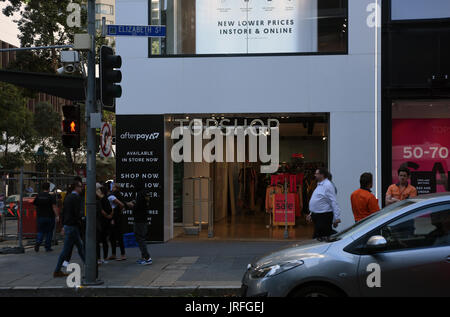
(314, 65)
(312, 70)
(416, 92)
(104, 9)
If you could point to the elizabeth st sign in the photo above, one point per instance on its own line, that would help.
(136, 30)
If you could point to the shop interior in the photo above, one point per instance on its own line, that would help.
(234, 200)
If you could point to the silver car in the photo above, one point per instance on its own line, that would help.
(402, 250)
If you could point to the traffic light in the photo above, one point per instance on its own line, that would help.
(109, 77)
(71, 126)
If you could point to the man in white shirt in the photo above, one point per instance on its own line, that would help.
(324, 210)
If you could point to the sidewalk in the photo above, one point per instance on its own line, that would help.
(180, 268)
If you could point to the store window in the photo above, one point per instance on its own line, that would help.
(104, 9)
(421, 142)
(206, 27)
(420, 9)
(234, 195)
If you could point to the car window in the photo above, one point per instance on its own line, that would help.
(362, 225)
(428, 227)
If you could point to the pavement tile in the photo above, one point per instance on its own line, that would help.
(175, 264)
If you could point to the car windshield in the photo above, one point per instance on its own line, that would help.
(366, 222)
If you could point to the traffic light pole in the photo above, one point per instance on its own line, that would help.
(91, 107)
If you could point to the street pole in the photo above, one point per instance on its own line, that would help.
(20, 210)
(91, 105)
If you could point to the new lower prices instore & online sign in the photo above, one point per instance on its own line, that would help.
(256, 26)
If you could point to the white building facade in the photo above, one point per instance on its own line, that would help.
(292, 71)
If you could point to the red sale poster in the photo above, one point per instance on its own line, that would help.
(279, 217)
(422, 145)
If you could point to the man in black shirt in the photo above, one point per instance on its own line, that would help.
(140, 212)
(46, 213)
(71, 219)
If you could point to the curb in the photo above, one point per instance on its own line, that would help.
(121, 291)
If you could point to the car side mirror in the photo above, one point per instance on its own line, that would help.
(376, 244)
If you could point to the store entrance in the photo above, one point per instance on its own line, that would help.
(235, 200)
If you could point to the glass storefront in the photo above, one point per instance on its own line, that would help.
(234, 196)
(218, 27)
(421, 142)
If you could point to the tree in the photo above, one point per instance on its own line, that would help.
(105, 168)
(16, 123)
(46, 121)
(47, 124)
(59, 164)
(42, 23)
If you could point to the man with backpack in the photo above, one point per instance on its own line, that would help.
(47, 214)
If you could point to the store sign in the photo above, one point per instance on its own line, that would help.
(140, 156)
(422, 145)
(425, 182)
(256, 26)
(280, 206)
(216, 142)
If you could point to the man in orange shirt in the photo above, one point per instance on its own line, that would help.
(364, 203)
(402, 190)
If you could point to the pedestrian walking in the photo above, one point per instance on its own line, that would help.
(364, 203)
(116, 236)
(47, 214)
(71, 218)
(140, 213)
(402, 190)
(76, 180)
(103, 224)
(324, 209)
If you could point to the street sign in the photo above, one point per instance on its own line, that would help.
(136, 30)
(106, 140)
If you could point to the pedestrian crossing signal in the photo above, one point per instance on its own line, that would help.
(71, 127)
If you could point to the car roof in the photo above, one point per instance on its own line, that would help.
(416, 202)
(429, 196)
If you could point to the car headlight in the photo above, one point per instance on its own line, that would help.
(274, 269)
